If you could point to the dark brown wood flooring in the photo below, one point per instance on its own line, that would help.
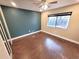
(44, 46)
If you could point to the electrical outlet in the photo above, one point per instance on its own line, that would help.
(29, 31)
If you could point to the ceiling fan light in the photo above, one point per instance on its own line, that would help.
(45, 7)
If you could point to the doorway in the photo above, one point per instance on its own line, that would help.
(4, 33)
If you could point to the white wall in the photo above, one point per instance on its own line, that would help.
(72, 32)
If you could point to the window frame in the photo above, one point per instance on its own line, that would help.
(60, 15)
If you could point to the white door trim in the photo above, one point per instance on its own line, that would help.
(3, 51)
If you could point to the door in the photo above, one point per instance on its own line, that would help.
(3, 52)
(4, 32)
(5, 38)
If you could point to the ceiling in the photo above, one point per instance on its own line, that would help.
(29, 4)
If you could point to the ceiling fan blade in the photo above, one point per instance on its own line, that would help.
(53, 2)
(43, 0)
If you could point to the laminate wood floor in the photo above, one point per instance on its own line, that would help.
(44, 46)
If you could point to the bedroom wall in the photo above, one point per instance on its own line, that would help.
(21, 21)
(72, 32)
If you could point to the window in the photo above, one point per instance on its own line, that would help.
(62, 21)
(51, 21)
(59, 20)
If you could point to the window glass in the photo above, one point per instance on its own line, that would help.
(51, 21)
(59, 21)
(62, 21)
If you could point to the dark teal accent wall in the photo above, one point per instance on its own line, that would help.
(21, 21)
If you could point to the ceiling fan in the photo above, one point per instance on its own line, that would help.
(44, 4)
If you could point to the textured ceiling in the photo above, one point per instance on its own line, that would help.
(29, 4)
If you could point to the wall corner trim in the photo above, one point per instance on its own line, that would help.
(23, 35)
(64, 38)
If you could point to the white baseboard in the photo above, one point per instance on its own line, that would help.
(23, 35)
(70, 40)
